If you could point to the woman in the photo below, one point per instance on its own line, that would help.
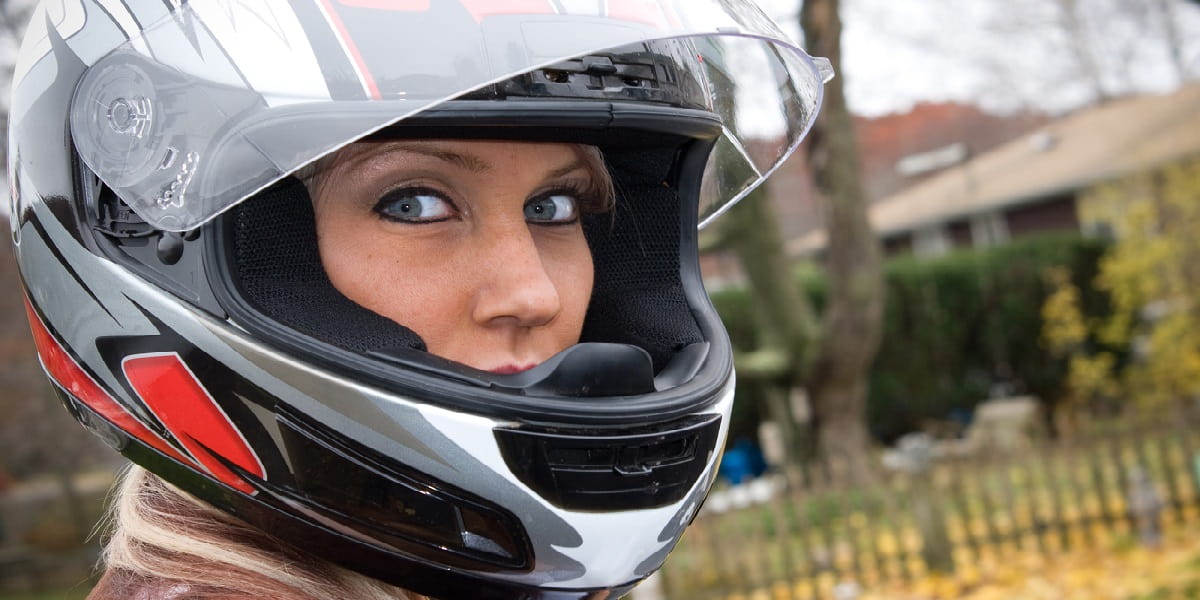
(367, 339)
(441, 204)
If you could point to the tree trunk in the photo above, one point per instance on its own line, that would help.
(786, 320)
(852, 321)
(786, 325)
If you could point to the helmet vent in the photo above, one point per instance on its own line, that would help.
(629, 76)
(649, 468)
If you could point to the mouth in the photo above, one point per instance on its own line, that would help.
(512, 369)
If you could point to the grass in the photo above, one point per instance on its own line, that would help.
(1046, 501)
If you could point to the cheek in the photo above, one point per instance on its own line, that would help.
(346, 253)
(393, 276)
(571, 269)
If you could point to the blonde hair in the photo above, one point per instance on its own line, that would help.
(162, 535)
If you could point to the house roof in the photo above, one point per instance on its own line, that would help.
(1092, 145)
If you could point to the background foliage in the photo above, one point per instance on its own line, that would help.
(1151, 273)
(957, 329)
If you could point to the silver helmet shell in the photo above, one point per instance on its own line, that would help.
(151, 147)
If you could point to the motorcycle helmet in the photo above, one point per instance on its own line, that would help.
(181, 310)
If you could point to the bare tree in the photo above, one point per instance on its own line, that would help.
(1034, 54)
(853, 317)
(1109, 48)
(1167, 18)
(1071, 19)
(787, 328)
(1110, 39)
(828, 355)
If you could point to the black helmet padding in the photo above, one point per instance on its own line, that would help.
(278, 270)
(637, 296)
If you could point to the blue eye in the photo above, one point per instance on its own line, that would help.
(552, 209)
(414, 205)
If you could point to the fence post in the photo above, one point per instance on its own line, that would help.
(916, 451)
(895, 490)
(1145, 506)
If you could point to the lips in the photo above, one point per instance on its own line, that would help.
(512, 369)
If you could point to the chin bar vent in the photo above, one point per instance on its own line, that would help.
(646, 468)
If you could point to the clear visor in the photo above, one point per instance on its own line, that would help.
(218, 101)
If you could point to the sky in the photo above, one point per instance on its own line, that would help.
(897, 53)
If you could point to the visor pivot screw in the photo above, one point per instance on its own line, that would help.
(129, 116)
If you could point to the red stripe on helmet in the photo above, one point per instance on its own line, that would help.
(347, 40)
(72, 378)
(399, 5)
(178, 399)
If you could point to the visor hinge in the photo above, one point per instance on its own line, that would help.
(116, 220)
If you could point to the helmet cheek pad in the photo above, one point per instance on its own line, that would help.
(638, 297)
(276, 269)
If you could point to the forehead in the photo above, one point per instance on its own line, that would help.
(471, 155)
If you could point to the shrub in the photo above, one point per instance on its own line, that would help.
(955, 327)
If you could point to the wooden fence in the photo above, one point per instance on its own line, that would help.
(1084, 491)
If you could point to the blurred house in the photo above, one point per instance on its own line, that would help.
(1032, 184)
(891, 148)
(899, 150)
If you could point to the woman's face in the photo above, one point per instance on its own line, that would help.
(474, 245)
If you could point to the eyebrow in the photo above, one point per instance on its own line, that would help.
(568, 168)
(470, 162)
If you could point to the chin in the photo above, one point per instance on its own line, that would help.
(511, 369)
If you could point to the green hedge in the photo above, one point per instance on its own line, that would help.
(954, 326)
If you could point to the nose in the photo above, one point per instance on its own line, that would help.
(516, 290)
